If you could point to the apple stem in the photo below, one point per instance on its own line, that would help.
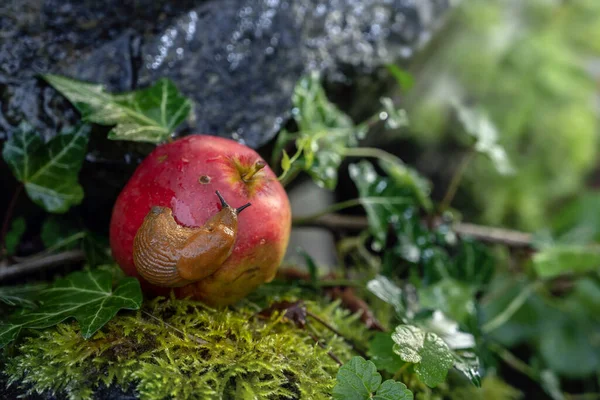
(260, 164)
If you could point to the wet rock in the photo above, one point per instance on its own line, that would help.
(238, 59)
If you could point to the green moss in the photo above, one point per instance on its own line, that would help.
(245, 357)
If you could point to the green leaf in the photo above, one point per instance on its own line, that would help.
(404, 79)
(427, 350)
(147, 115)
(392, 390)
(357, 379)
(13, 236)
(87, 296)
(57, 233)
(48, 170)
(286, 163)
(324, 131)
(578, 222)
(482, 129)
(387, 291)
(22, 296)
(381, 352)
(96, 249)
(394, 118)
(467, 363)
(559, 260)
(400, 191)
(453, 298)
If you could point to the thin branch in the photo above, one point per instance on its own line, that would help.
(321, 345)
(30, 266)
(456, 179)
(339, 222)
(338, 333)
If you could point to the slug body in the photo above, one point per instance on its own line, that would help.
(170, 255)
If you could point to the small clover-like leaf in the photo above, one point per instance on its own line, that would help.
(87, 296)
(357, 379)
(427, 350)
(392, 390)
(382, 354)
(48, 170)
(147, 115)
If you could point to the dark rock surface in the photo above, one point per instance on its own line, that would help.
(237, 59)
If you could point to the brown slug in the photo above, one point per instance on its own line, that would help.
(168, 254)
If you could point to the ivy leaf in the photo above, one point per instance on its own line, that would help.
(57, 233)
(559, 260)
(147, 115)
(427, 350)
(392, 390)
(403, 188)
(358, 379)
(382, 353)
(482, 129)
(324, 131)
(48, 170)
(87, 296)
(21, 295)
(13, 236)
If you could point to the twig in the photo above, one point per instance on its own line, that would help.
(27, 267)
(8, 216)
(321, 345)
(338, 222)
(456, 179)
(338, 333)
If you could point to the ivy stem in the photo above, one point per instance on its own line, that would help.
(346, 204)
(260, 164)
(512, 308)
(338, 333)
(456, 179)
(8, 216)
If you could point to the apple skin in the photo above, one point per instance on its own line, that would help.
(184, 175)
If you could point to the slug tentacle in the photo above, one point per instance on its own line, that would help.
(168, 254)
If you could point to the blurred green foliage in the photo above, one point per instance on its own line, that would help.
(525, 64)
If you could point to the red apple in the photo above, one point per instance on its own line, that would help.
(184, 176)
